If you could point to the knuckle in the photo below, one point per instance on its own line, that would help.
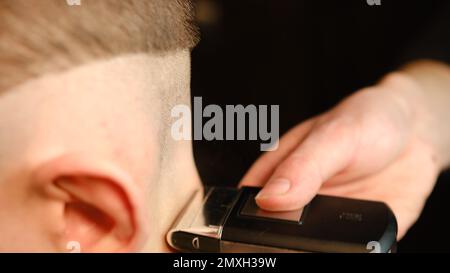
(343, 131)
(300, 168)
(337, 127)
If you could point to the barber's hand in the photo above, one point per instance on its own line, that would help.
(367, 147)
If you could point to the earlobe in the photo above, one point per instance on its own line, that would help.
(101, 211)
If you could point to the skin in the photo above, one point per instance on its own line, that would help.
(387, 142)
(85, 157)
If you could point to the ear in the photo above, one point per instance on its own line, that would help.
(101, 207)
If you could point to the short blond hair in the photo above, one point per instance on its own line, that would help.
(38, 37)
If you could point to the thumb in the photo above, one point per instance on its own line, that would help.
(265, 166)
(326, 151)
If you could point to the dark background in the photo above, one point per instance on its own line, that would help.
(306, 56)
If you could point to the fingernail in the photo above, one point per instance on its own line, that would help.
(274, 187)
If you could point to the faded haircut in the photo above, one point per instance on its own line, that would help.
(45, 36)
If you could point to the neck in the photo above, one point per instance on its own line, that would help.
(178, 180)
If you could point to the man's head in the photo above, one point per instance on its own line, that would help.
(50, 36)
(85, 91)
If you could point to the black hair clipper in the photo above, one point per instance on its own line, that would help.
(228, 220)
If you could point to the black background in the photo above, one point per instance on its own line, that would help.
(163, 262)
(306, 56)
